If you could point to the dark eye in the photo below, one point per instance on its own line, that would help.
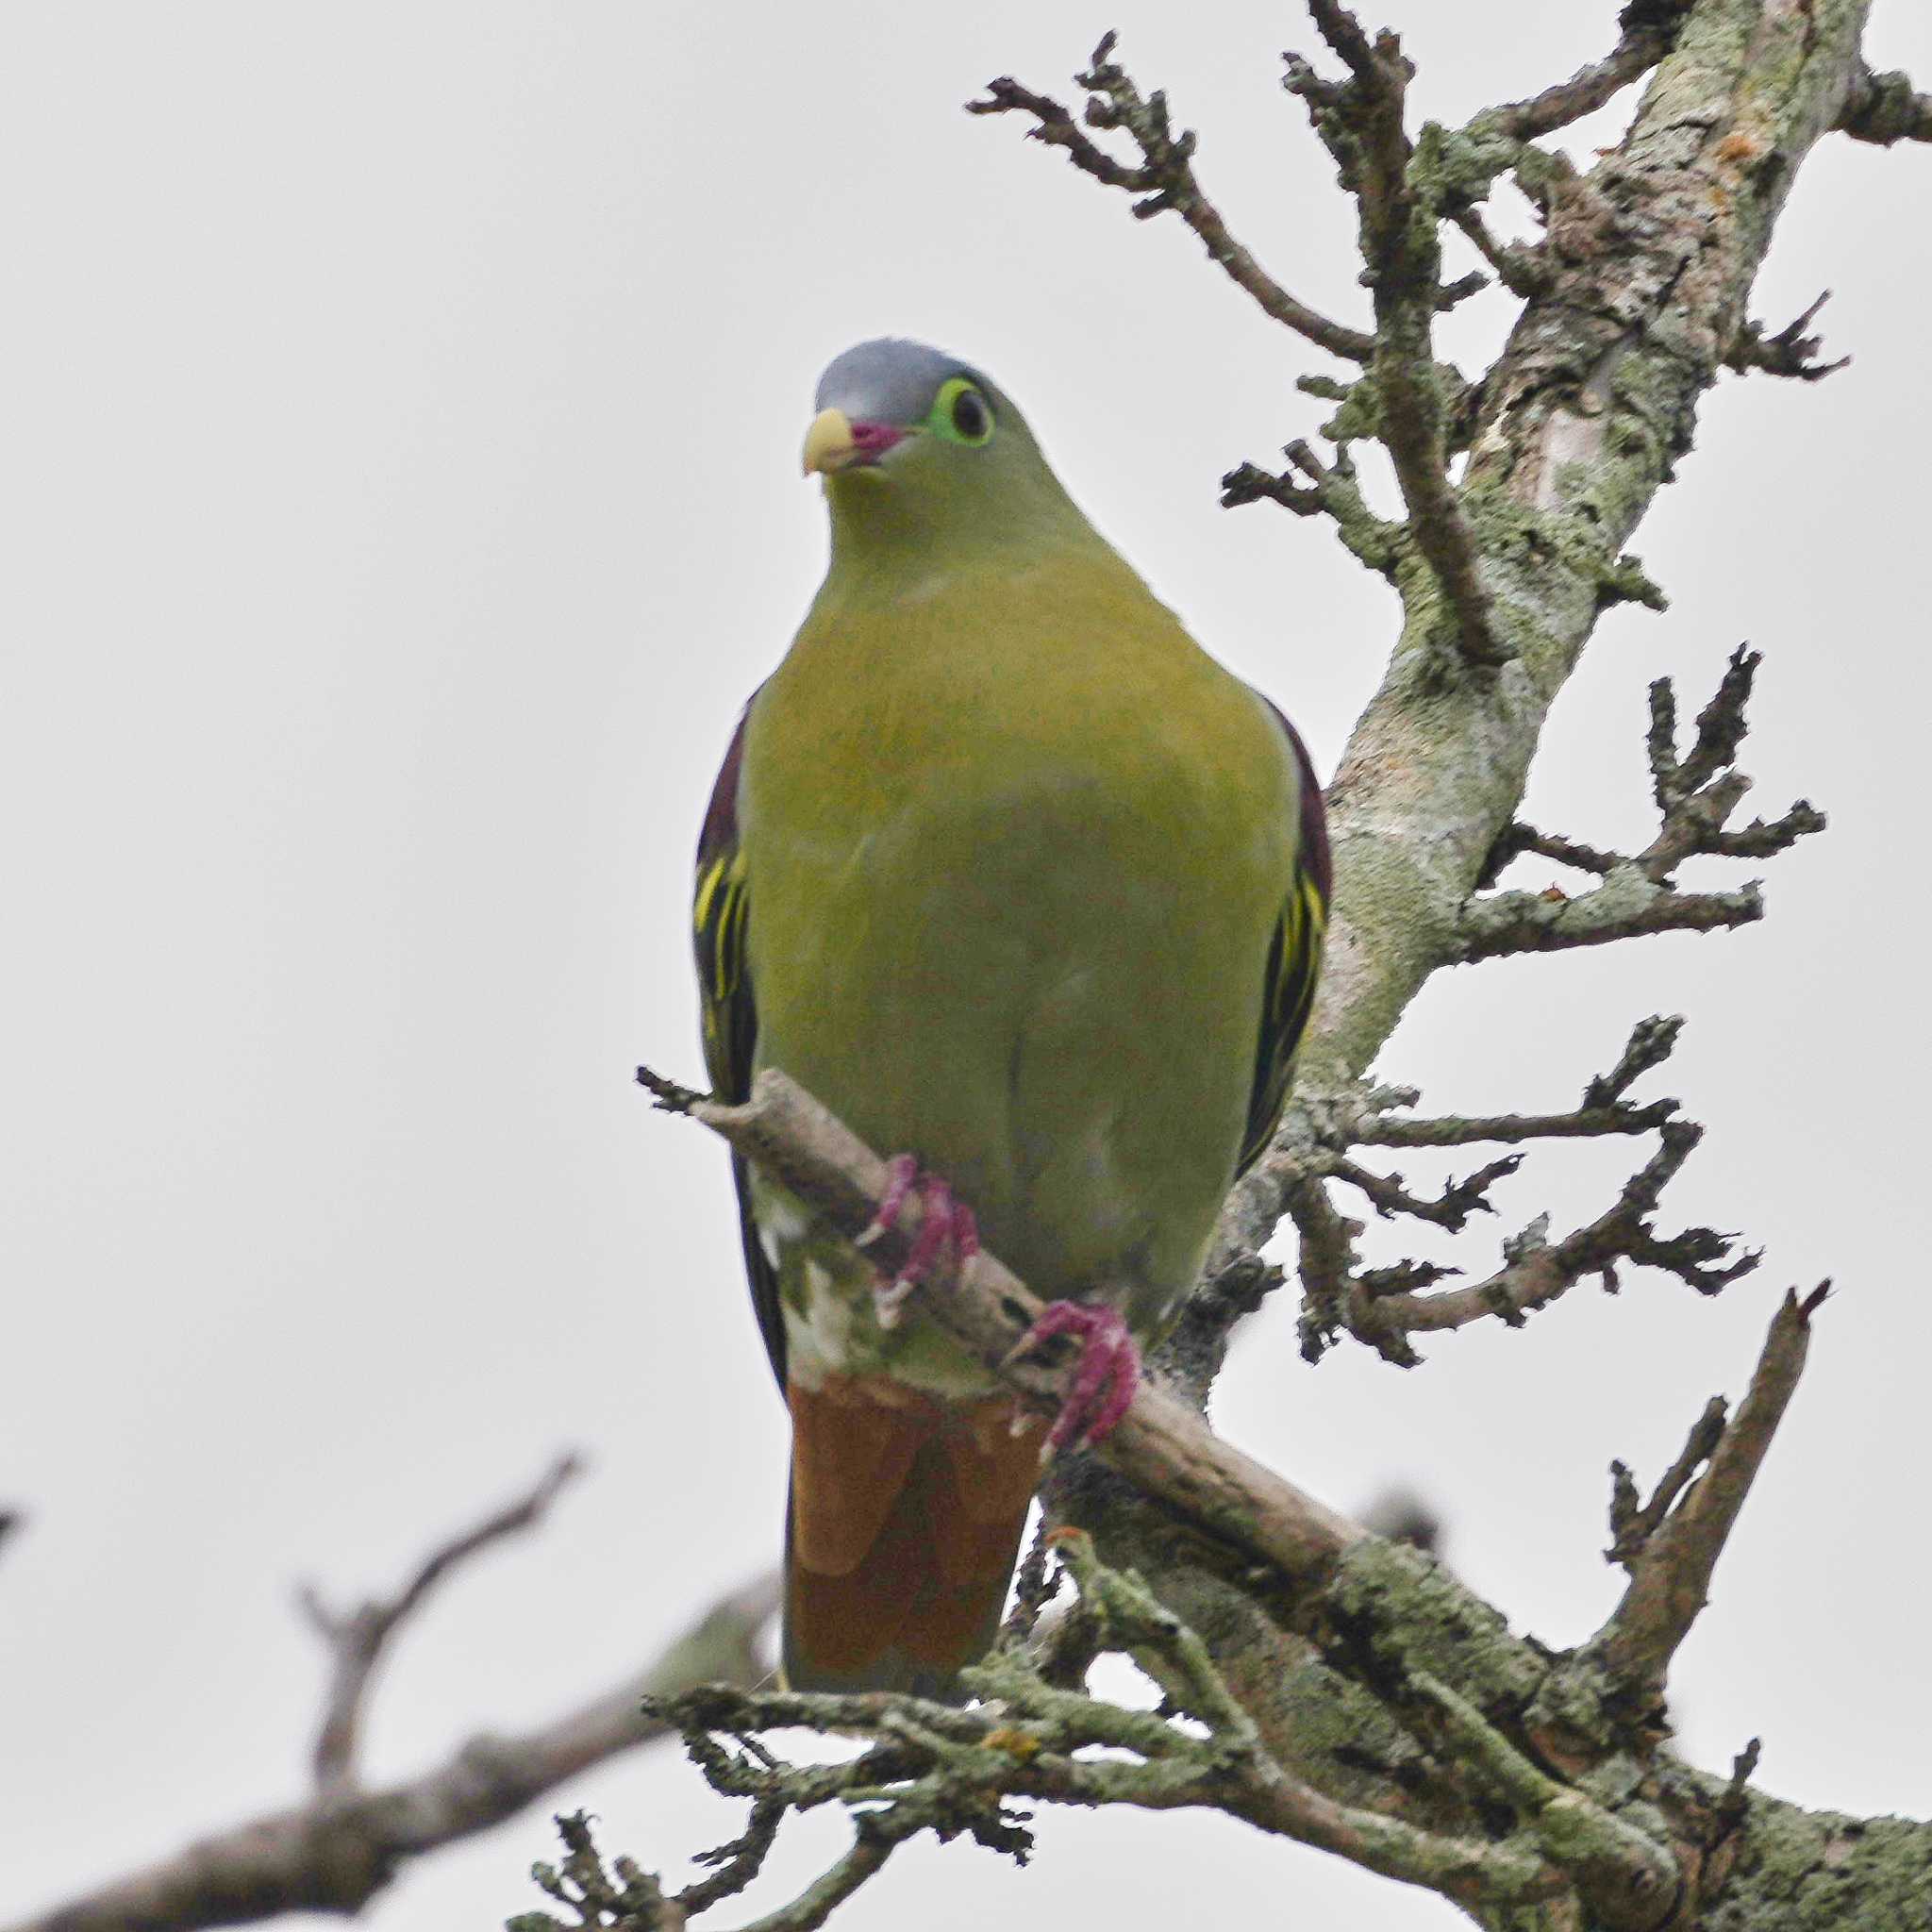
(970, 417)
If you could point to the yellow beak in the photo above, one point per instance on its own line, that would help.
(828, 443)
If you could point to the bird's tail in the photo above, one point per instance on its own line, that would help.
(904, 1519)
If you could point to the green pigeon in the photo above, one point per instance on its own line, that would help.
(1031, 892)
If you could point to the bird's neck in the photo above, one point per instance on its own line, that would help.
(885, 536)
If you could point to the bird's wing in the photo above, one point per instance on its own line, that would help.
(1294, 960)
(720, 921)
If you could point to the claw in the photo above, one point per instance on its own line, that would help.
(946, 1222)
(901, 1171)
(1101, 1389)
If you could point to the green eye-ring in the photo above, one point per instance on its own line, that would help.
(960, 413)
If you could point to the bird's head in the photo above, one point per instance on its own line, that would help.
(919, 449)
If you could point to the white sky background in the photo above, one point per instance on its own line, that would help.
(400, 493)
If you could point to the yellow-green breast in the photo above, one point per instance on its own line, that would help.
(1015, 847)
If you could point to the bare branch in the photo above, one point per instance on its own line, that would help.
(1625, 906)
(1651, 1043)
(1160, 1445)
(1451, 1208)
(356, 1639)
(1671, 1551)
(1632, 1523)
(1604, 1109)
(1385, 1308)
(338, 1851)
(1456, 1130)
(1648, 32)
(1538, 1271)
(1164, 179)
(1519, 838)
(1361, 121)
(1346, 39)
(1697, 794)
(1884, 109)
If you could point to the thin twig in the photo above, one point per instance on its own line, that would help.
(356, 1639)
(1164, 179)
(1604, 1108)
(1790, 352)
(1331, 490)
(1632, 1523)
(1387, 1307)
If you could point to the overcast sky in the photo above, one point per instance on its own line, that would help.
(400, 474)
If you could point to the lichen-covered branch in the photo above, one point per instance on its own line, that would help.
(932, 1767)
(1630, 1880)
(1361, 122)
(1328, 490)
(350, 1841)
(1627, 905)
(1885, 108)
(1521, 269)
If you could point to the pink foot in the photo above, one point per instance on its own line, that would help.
(1101, 1389)
(947, 1222)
